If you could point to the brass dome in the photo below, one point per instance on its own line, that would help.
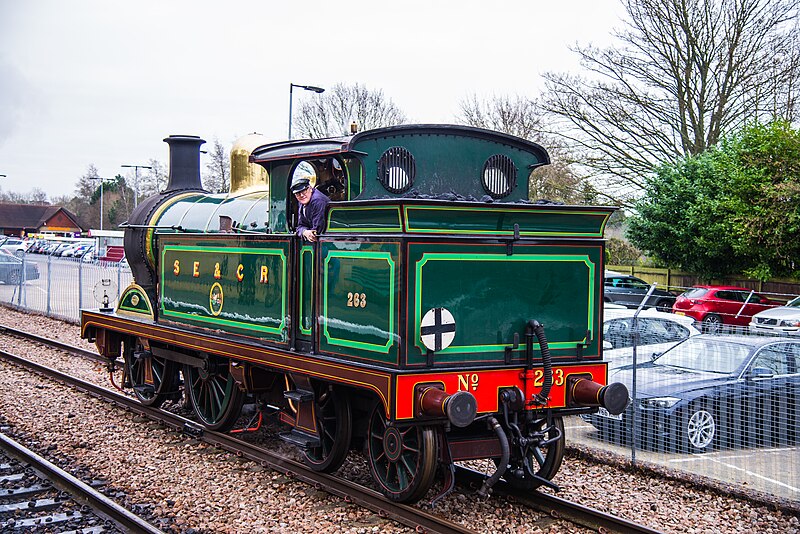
(246, 175)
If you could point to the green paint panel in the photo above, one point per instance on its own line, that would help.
(175, 210)
(248, 211)
(446, 162)
(364, 219)
(247, 307)
(532, 221)
(306, 288)
(355, 177)
(135, 301)
(492, 295)
(360, 301)
(279, 195)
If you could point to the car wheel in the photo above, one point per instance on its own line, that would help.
(712, 323)
(664, 305)
(13, 277)
(699, 429)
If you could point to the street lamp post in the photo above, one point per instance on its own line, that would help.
(136, 181)
(307, 88)
(102, 180)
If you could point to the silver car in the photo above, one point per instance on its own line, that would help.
(782, 321)
(657, 331)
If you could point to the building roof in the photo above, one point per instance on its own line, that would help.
(31, 216)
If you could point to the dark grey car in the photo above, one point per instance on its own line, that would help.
(11, 269)
(711, 391)
(629, 291)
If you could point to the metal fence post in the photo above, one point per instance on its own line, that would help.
(25, 279)
(119, 280)
(635, 407)
(80, 284)
(49, 281)
(21, 281)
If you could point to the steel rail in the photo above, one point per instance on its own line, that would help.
(557, 507)
(349, 491)
(81, 492)
(53, 343)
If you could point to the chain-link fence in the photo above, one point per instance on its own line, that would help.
(714, 378)
(714, 382)
(60, 287)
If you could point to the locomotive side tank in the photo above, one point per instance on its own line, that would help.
(439, 317)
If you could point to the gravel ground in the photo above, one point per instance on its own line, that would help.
(191, 487)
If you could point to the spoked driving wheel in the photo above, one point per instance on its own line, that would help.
(334, 425)
(152, 378)
(542, 457)
(402, 459)
(213, 393)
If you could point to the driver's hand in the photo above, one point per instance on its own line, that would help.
(310, 235)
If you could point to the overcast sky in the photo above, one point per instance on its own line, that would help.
(103, 82)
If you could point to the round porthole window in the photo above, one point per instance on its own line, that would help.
(396, 169)
(499, 176)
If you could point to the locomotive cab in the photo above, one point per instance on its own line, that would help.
(440, 316)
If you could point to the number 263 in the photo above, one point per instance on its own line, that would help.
(356, 300)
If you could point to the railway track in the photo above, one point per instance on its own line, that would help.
(84, 353)
(413, 517)
(39, 496)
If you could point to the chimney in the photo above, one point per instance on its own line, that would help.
(184, 162)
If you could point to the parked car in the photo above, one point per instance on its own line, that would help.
(36, 247)
(714, 306)
(84, 249)
(658, 332)
(67, 252)
(74, 250)
(709, 391)
(16, 246)
(629, 291)
(59, 248)
(52, 248)
(783, 320)
(11, 268)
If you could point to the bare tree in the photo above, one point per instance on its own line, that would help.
(331, 113)
(685, 73)
(123, 204)
(35, 196)
(82, 204)
(38, 196)
(523, 117)
(87, 184)
(218, 170)
(155, 180)
(518, 116)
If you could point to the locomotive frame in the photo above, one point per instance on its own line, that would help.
(366, 337)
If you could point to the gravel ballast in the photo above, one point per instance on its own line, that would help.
(192, 487)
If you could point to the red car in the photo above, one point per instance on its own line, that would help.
(714, 306)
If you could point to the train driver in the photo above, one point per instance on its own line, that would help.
(313, 203)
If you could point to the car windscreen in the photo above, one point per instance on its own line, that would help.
(695, 292)
(708, 355)
(794, 303)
